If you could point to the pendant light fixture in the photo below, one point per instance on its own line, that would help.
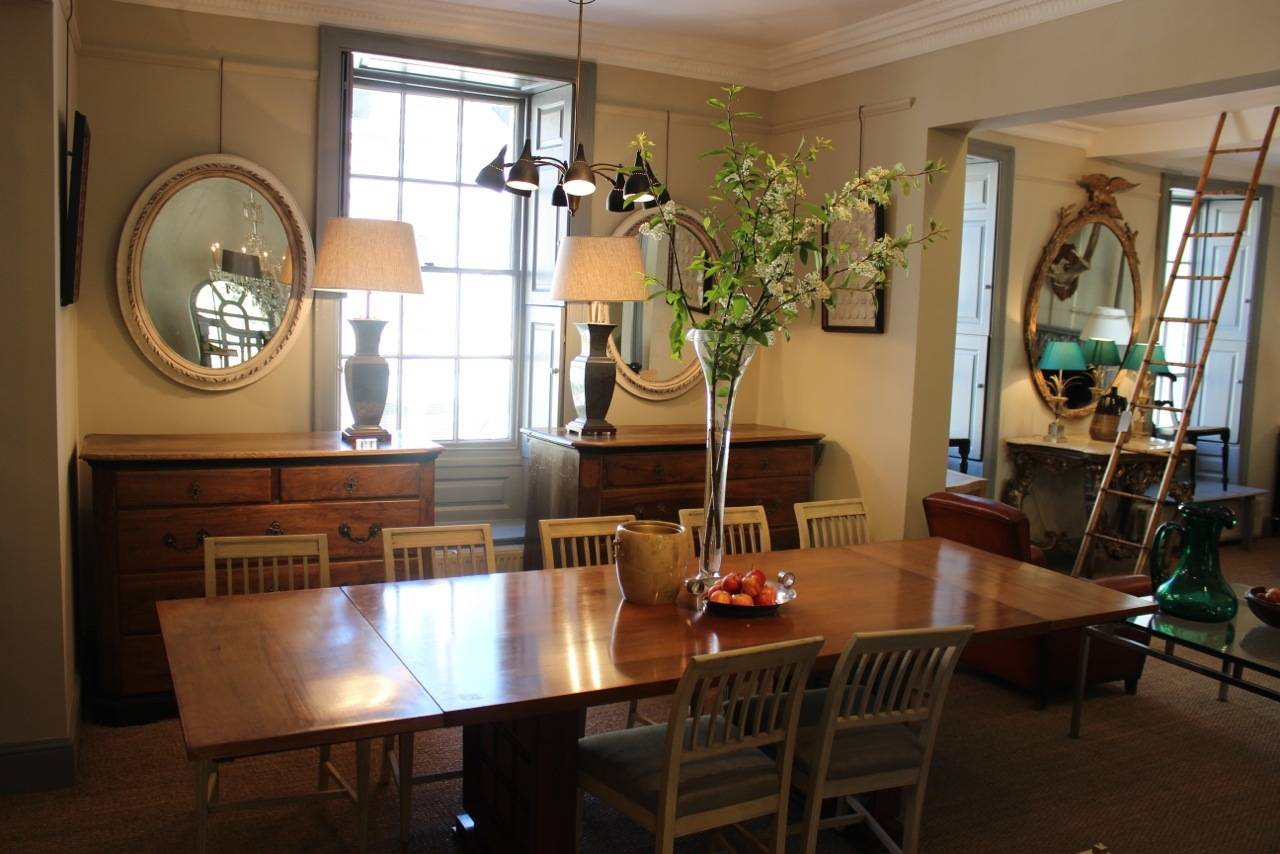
(576, 179)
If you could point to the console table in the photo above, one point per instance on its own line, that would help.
(155, 500)
(654, 471)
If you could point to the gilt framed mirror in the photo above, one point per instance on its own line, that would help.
(213, 272)
(1088, 264)
(641, 345)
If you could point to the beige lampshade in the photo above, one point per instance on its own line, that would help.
(599, 269)
(368, 255)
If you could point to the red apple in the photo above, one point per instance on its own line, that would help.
(767, 596)
(714, 588)
(1272, 595)
(732, 582)
(753, 582)
(742, 599)
(720, 597)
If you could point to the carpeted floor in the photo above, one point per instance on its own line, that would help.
(1168, 771)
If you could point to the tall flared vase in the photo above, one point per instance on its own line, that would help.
(724, 358)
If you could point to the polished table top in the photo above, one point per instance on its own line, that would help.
(509, 645)
(277, 671)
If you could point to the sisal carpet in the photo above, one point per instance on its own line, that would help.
(1170, 770)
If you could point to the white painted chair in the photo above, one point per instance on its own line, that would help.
(272, 564)
(746, 529)
(705, 769)
(572, 543)
(876, 729)
(265, 564)
(840, 522)
(440, 551)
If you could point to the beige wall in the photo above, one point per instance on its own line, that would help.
(37, 674)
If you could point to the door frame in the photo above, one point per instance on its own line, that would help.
(1003, 156)
(1174, 181)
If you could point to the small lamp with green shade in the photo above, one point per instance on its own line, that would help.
(1100, 354)
(1060, 356)
(1142, 422)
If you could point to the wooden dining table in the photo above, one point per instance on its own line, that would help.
(515, 658)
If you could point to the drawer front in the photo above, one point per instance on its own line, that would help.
(778, 495)
(643, 469)
(167, 540)
(334, 483)
(193, 487)
(139, 592)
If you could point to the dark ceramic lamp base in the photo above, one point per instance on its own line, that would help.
(367, 375)
(592, 375)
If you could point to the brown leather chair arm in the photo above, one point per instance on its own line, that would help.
(1134, 585)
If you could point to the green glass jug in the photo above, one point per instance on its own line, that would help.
(1195, 589)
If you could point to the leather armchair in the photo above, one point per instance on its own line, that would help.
(1049, 661)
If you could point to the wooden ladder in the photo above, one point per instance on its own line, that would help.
(1092, 535)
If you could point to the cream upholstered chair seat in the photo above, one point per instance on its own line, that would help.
(856, 753)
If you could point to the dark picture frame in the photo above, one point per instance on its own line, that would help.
(855, 311)
(73, 211)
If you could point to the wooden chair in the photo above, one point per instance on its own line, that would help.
(265, 564)
(706, 769)
(746, 529)
(876, 729)
(840, 522)
(442, 551)
(572, 543)
(271, 564)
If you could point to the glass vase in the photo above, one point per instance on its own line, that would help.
(724, 358)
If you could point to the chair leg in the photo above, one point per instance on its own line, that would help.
(322, 777)
(632, 709)
(912, 810)
(780, 826)
(202, 771)
(812, 816)
(388, 745)
(406, 785)
(1131, 686)
(362, 795)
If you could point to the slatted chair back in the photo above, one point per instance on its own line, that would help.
(746, 529)
(839, 522)
(573, 543)
(235, 565)
(440, 551)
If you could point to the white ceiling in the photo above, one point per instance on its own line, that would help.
(769, 44)
(1175, 136)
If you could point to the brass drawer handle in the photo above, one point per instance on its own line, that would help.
(170, 541)
(349, 485)
(344, 531)
(275, 529)
(194, 490)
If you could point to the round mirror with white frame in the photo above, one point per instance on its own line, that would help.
(641, 344)
(213, 272)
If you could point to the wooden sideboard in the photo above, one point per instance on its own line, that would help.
(156, 498)
(655, 471)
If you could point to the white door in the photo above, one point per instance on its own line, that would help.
(973, 309)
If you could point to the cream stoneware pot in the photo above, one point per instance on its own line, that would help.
(650, 558)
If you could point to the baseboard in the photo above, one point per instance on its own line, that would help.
(37, 766)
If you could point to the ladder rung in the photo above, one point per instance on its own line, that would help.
(1120, 493)
(1212, 233)
(1121, 540)
(1198, 320)
(1231, 191)
(1154, 407)
(1242, 150)
(1157, 363)
(1199, 278)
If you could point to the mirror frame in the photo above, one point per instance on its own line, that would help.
(1100, 208)
(129, 270)
(688, 378)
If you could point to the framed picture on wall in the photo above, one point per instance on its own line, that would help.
(855, 310)
(73, 211)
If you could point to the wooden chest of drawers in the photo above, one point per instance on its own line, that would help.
(155, 499)
(655, 471)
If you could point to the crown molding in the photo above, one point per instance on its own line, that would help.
(915, 29)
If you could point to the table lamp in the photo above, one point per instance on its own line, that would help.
(1141, 421)
(1060, 356)
(1107, 323)
(367, 255)
(596, 269)
(1100, 354)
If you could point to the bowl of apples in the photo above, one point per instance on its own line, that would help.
(1264, 602)
(750, 594)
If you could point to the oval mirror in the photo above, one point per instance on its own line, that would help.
(641, 345)
(1088, 271)
(214, 271)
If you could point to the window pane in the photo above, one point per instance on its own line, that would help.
(428, 395)
(375, 133)
(433, 212)
(485, 233)
(372, 198)
(431, 138)
(431, 320)
(486, 127)
(484, 399)
(388, 415)
(484, 326)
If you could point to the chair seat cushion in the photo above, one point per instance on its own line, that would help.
(862, 751)
(630, 762)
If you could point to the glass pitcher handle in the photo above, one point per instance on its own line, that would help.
(1156, 560)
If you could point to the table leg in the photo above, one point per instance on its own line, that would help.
(520, 784)
(362, 794)
(1235, 670)
(405, 768)
(1082, 670)
(203, 768)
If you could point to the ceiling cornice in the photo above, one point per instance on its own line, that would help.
(915, 29)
